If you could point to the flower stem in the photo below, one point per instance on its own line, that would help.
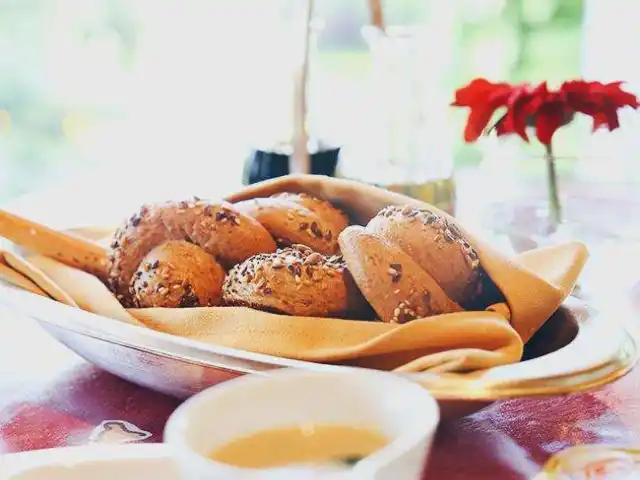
(552, 184)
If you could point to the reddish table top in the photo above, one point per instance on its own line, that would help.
(50, 397)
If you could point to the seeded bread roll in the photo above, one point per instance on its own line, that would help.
(437, 246)
(395, 286)
(177, 274)
(337, 218)
(222, 231)
(295, 281)
(292, 224)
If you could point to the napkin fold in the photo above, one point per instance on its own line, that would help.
(534, 285)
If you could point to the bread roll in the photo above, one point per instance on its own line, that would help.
(326, 210)
(177, 274)
(397, 288)
(295, 281)
(290, 223)
(222, 231)
(437, 246)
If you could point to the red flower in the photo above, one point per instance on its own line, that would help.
(520, 109)
(539, 107)
(483, 98)
(600, 101)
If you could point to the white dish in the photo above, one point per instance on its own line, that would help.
(401, 410)
(124, 462)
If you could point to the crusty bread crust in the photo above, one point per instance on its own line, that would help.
(177, 274)
(296, 281)
(325, 209)
(397, 288)
(436, 245)
(292, 223)
(222, 231)
(407, 263)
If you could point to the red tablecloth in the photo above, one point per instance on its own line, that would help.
(49, 397)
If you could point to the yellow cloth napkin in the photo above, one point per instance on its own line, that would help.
(534, 285)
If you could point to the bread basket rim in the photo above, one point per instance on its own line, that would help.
(601, 353)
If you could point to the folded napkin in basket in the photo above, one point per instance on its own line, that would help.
(534, 284)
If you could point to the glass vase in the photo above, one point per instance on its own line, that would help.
(509, 198)
(401, 141)
(525, 194)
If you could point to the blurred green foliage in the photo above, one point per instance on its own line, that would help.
(33, 147)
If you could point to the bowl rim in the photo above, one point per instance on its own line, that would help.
(32, 462)
(600, 353)
(414, 436)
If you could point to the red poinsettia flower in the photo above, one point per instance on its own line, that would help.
(546, 110)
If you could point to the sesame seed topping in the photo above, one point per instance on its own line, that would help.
(313, 259)
(395, 271)
(403, 313)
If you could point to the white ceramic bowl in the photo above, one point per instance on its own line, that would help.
(400, 409)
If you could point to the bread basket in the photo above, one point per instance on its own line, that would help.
(577, 349)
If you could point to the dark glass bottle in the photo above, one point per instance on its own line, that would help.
(264, 164)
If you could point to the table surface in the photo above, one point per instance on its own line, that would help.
(50, 397)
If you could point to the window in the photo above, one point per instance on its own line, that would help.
(165, 84)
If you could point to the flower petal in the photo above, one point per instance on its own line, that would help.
(515, 120)
(477, 91)
(476, 123)
(619, 97)
(583, 97)
(549, 118)
(483, 98)
(598, 100)
(606, 118)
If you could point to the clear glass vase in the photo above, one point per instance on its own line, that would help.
(401, 142)
(517, 197)
(597, 197)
